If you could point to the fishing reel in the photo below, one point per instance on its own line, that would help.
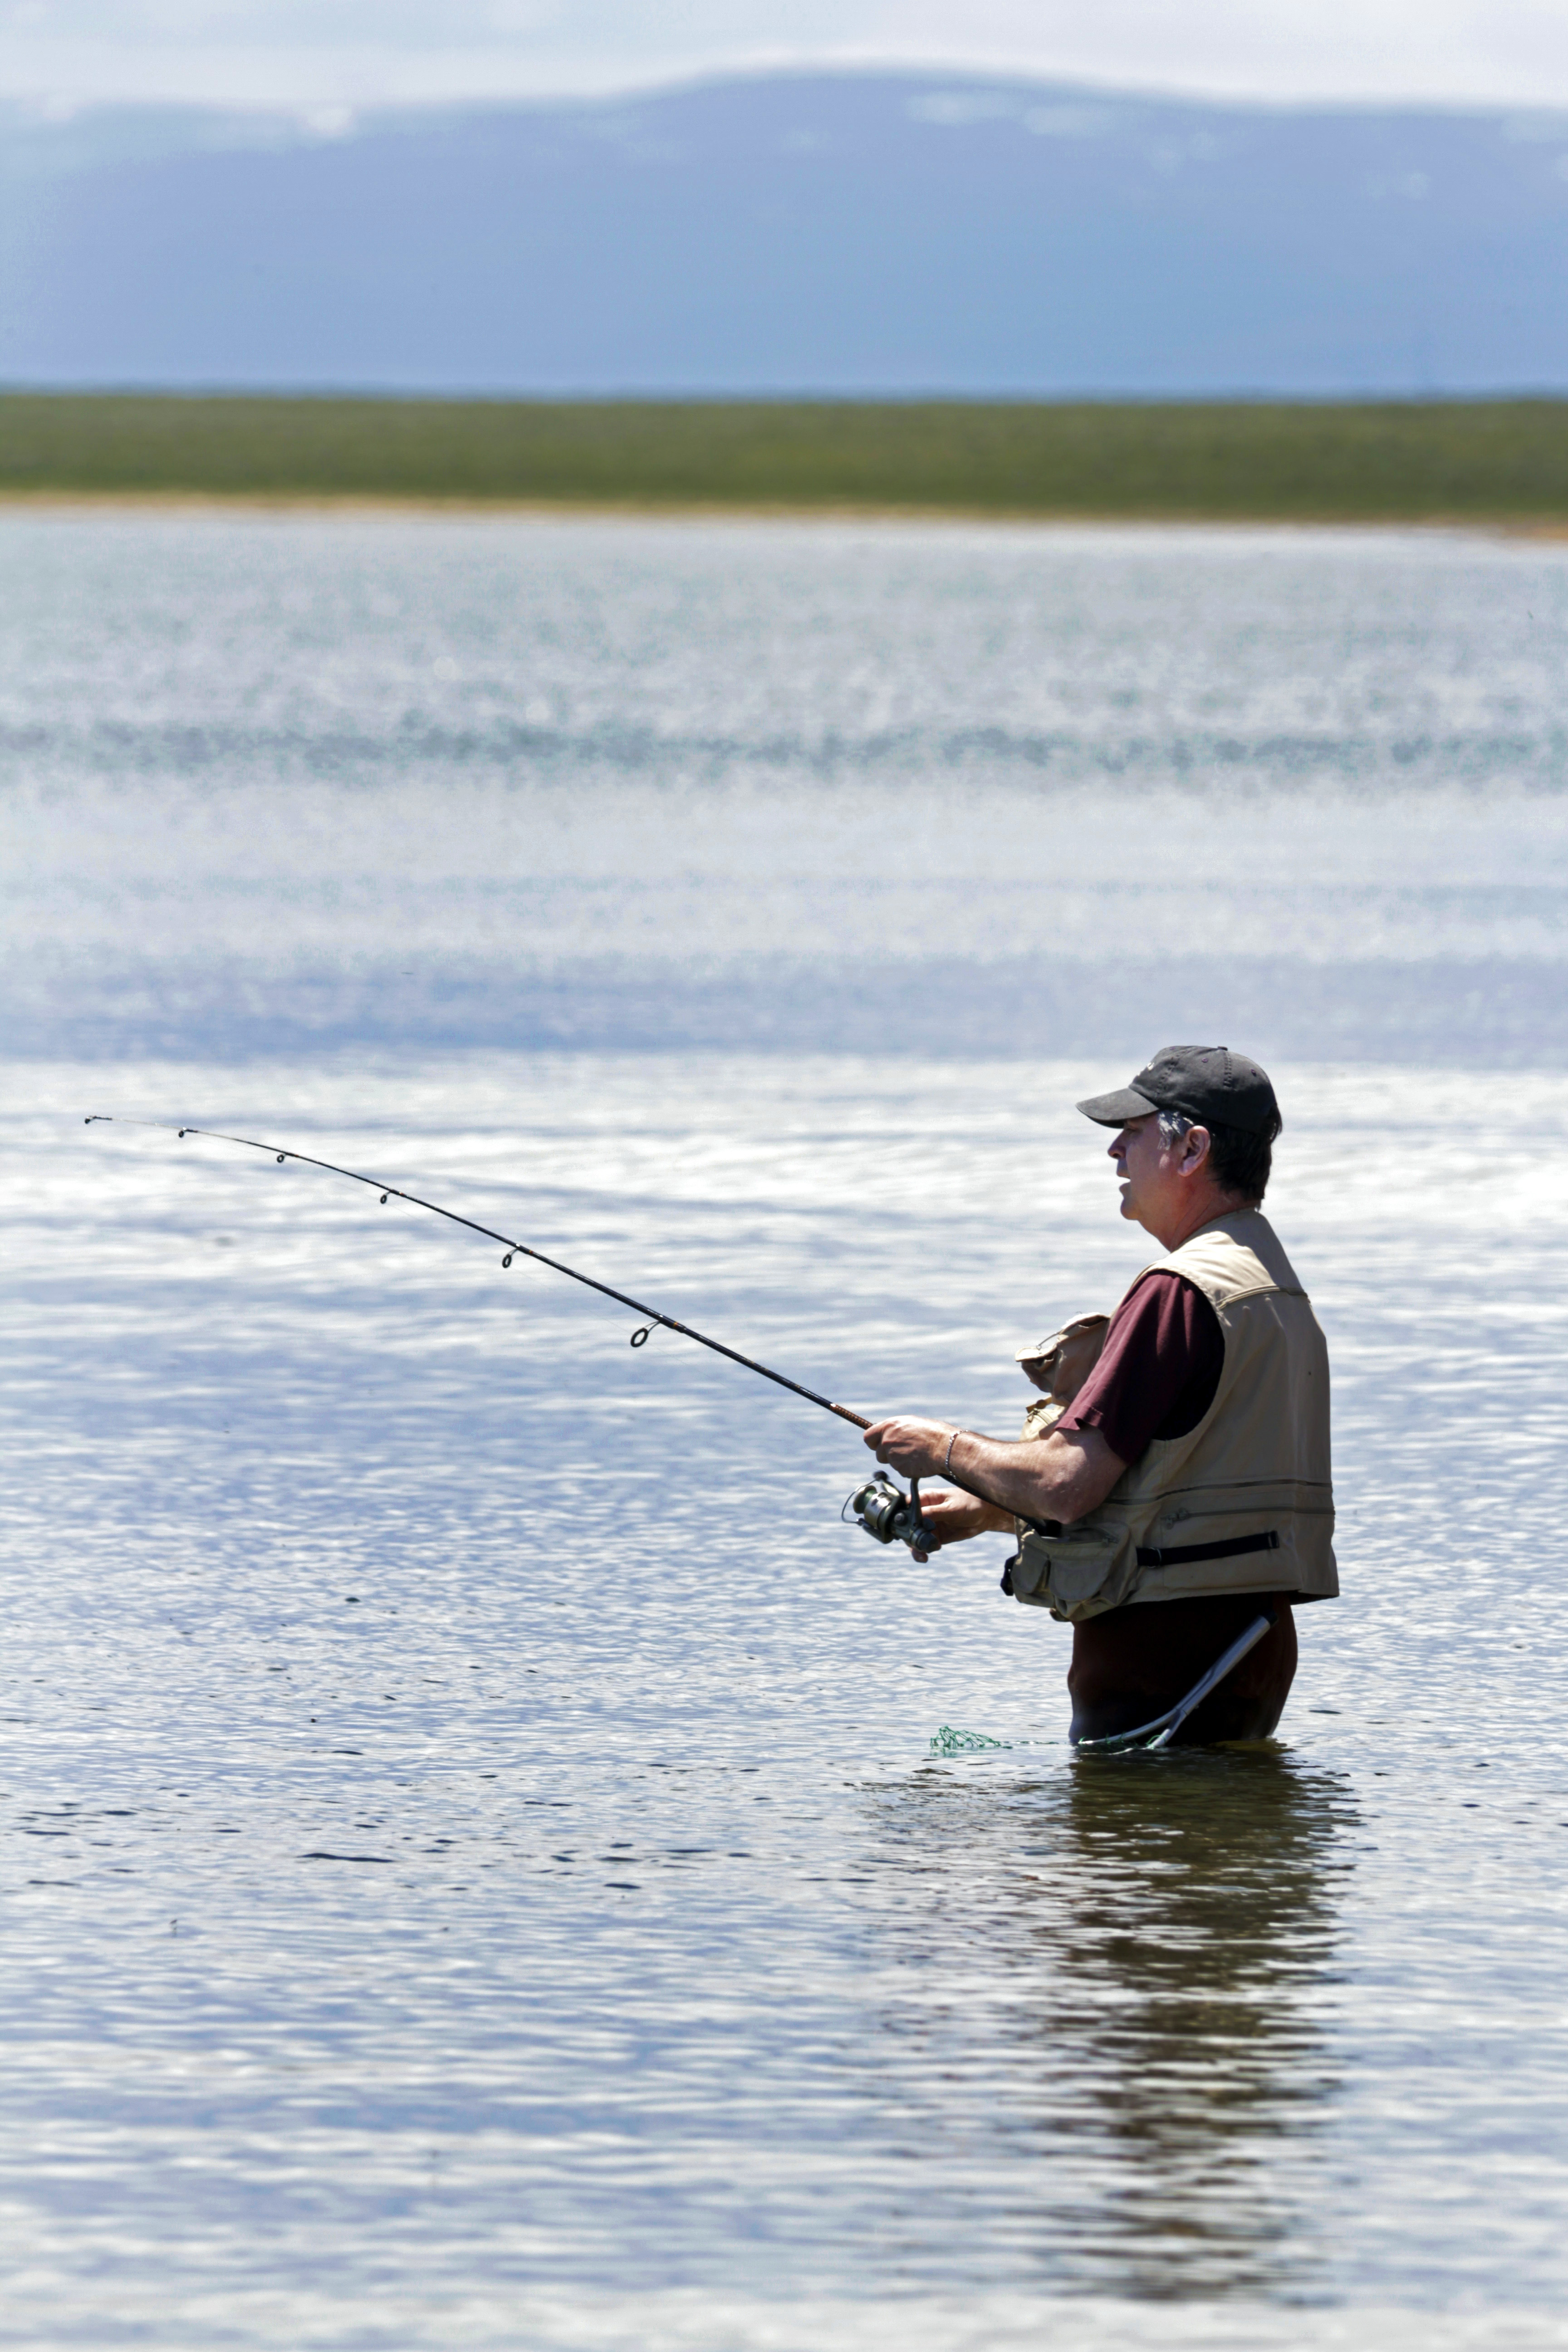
(889, 1515)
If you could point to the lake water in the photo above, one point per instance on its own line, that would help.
(472, 1872)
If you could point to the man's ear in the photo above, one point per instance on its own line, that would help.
(1195, 1148)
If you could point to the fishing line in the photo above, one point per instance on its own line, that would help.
(653, 1319)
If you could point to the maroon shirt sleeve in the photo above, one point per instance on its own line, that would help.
(1158, 1371)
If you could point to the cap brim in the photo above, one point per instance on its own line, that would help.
(1115, 1110)
(1073, 1329)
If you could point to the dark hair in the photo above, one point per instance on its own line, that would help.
(1241, 1161)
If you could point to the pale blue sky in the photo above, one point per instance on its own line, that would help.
(329, 54)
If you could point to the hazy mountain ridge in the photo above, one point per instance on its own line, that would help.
(825, 233)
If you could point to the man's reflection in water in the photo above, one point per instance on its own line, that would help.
(1193, 1972)
(1158, 1934)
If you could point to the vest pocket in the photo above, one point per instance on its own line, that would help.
(1074, 1575)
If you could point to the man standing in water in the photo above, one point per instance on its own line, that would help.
(1185, 1488)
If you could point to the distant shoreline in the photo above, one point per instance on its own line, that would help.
(1498, 465)
(347, 505)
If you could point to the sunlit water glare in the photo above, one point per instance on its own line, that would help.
(470, 1865)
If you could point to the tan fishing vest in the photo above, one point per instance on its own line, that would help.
(1243, 1503)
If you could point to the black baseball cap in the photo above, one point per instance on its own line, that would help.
(1208, 1084)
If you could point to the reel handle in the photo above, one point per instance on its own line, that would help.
(915, 1504)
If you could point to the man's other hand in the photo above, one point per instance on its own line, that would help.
(953, 1518)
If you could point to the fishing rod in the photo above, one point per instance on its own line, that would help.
(513, 1249)
(879, 1506)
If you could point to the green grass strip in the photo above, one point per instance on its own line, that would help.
(1492, 460)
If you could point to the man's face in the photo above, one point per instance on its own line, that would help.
(1151, 1170)
(1137, 1150)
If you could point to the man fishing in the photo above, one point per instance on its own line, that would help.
(1186, 1462)
(1185, 1490)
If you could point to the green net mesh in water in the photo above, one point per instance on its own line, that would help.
(948, 1742)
